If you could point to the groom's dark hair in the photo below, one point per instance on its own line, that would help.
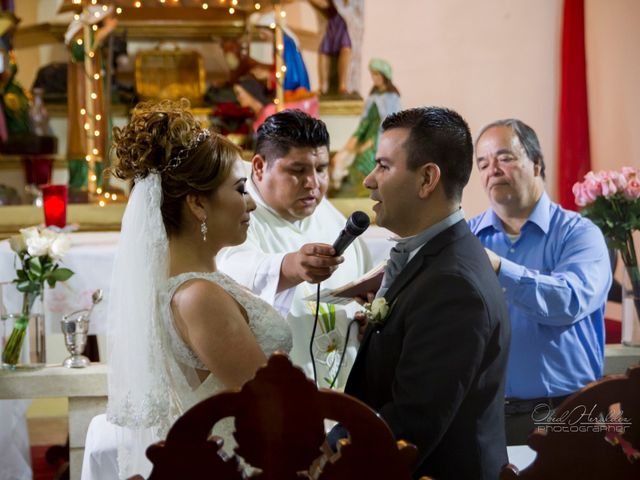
(289, 129)
(437, 135)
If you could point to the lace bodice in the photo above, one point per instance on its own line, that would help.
(270, 329)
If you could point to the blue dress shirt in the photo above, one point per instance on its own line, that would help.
(556, 277)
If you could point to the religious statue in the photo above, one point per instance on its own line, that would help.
(357, 158)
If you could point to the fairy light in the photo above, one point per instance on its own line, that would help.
(87, 158)
(107, 195)
(94, 95)
(96, 76)
(96, 133)
(257, 6)
(76, 2)
(104, 8)
(94, 28)
(101, 203)
(278, 75)
(205, 6)
(79, 41)
(234, 2)
(232, 10)
(76, 17)
(137, 4)
(87, 126)
(96, 14)
(283, 14)
(93, 2)
(83, 111)
(283, 68)
(98, 190)
(95, 151)
(92, 54)
(93, 178)
(272, 26)
(114, 197)
(98, 117)
(118, 10)
(280, 47)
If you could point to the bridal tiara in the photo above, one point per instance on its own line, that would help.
(177, 159)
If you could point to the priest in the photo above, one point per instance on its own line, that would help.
(288, 248)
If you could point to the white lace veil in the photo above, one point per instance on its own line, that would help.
(140, 399)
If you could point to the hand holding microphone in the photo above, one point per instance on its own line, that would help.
(315, 262)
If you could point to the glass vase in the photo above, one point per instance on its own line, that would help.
(631, 306)
(26, 324)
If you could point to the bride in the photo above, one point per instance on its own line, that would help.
(182, 331)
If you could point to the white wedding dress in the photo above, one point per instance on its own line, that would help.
(271, 331)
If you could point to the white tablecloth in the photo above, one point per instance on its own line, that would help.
(91, 258)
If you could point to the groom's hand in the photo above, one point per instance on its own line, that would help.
(313, 263)
(361, 320)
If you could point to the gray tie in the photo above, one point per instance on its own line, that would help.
(397, 260)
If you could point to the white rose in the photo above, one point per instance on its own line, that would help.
(31, 232)
(379, 308)
(17, 243)
(59, 246)
(37, 246)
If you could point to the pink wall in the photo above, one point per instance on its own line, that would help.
(500, 58)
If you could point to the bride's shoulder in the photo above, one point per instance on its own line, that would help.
(201, 295)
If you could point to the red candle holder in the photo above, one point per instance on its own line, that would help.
(54, 200)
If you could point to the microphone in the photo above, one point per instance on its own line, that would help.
(357, 223)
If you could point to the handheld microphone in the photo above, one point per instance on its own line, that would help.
(357, 223)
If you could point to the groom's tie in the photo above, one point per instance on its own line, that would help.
(397, 260)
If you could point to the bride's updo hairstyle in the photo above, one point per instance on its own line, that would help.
(165, 138)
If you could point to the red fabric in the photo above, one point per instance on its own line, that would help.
(574, 158)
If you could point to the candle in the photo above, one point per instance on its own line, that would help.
(54, 199)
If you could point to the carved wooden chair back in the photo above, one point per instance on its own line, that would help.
(280, 430)
(594, 434)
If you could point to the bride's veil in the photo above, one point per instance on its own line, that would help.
(142, 399)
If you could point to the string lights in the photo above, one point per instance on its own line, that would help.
(90, 117)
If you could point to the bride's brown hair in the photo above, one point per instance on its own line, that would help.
(164, 137)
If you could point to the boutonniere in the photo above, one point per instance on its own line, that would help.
(377, 311)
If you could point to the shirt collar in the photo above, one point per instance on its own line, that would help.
(539, 216)
(415, 242)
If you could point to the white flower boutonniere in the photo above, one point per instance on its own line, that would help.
(377, 311)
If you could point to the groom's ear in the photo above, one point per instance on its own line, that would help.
(428, 179)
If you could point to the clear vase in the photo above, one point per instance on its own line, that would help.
(23, 326)
(631, 306)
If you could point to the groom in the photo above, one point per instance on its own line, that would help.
(434, 368)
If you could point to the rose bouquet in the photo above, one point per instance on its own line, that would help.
(38, 252)
(611, 199)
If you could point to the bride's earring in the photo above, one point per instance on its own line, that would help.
(204, 229)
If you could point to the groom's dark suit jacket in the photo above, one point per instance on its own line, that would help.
(435, 368)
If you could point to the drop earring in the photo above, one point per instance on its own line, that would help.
(204, 229)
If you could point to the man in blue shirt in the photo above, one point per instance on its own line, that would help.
(554, 269)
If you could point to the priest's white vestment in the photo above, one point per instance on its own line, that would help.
(256, 264)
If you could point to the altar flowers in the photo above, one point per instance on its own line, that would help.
(38, 252)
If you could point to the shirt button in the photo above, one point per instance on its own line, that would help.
(504, 289)
(512, 250)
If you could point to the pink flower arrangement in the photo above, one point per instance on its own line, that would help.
(611, 199)
(608, 184)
